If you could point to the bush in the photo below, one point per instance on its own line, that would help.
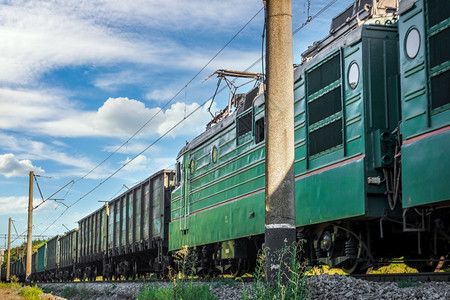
(290, 284)
(31, 292)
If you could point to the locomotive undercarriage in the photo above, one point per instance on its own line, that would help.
(420, 239)
(235, 257)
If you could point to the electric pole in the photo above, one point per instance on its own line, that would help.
(279, 108)
(8, 260)
(2, 252)
(30, 228)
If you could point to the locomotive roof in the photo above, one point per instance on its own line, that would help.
(252, 96)
(350, 38)
(346, 30)
(405, 5)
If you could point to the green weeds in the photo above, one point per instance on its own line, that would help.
(290, 282)
(109, 289)
(407, 283)
(30, 292)
(177, 290)
(69, 291)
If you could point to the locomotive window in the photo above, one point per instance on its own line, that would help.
(259, 130)
(412, 43)
(353, 75)
(244, 124)
(178, 181)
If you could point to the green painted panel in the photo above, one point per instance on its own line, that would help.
(145, 223)
(53, 253)
(33, 262)
(333, 194)
(426, 170)
(41, 258)
(414, 90)
(68, 248)
(137, 236)
(219, 224)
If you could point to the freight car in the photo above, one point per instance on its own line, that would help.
(126, 237)
(370, 155)
(129, 236)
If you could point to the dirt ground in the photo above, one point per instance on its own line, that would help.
(9, 294)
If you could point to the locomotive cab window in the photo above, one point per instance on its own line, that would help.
(259, 130)
(244, 126)
(178, 175)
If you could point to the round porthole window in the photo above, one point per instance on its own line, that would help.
(214, 154)
(353, 75)
(191, 167)
(412, 43)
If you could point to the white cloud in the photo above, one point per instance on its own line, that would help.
(140, 163)
(10, 166)
(40, 36)
(161, 95)
(30, 149)
(53, 114)
(133, 147)
(19, 205)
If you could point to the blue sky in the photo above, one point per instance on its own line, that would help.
(79, 78)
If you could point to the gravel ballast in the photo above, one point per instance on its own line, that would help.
(320, 287)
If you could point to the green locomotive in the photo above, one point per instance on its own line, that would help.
(371, 143)
(372, 135)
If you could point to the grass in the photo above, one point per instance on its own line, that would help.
(13, 285)
(108, 289)
(29, 292)
(181, 285)
(290, 282)
(69, 291)
(407, 283)
(177, 290)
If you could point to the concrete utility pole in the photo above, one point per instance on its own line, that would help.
(8, 260)
(280, 181)
(2, 252)
(30, 228)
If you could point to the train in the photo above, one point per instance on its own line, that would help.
(372, 139)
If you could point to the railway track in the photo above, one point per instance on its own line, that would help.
(385, 277)
(398, 277)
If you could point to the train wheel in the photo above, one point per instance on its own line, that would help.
(349, 266)
(236, 267)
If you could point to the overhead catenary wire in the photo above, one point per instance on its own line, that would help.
(124, 165)
(309, 19)
(173, 98)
